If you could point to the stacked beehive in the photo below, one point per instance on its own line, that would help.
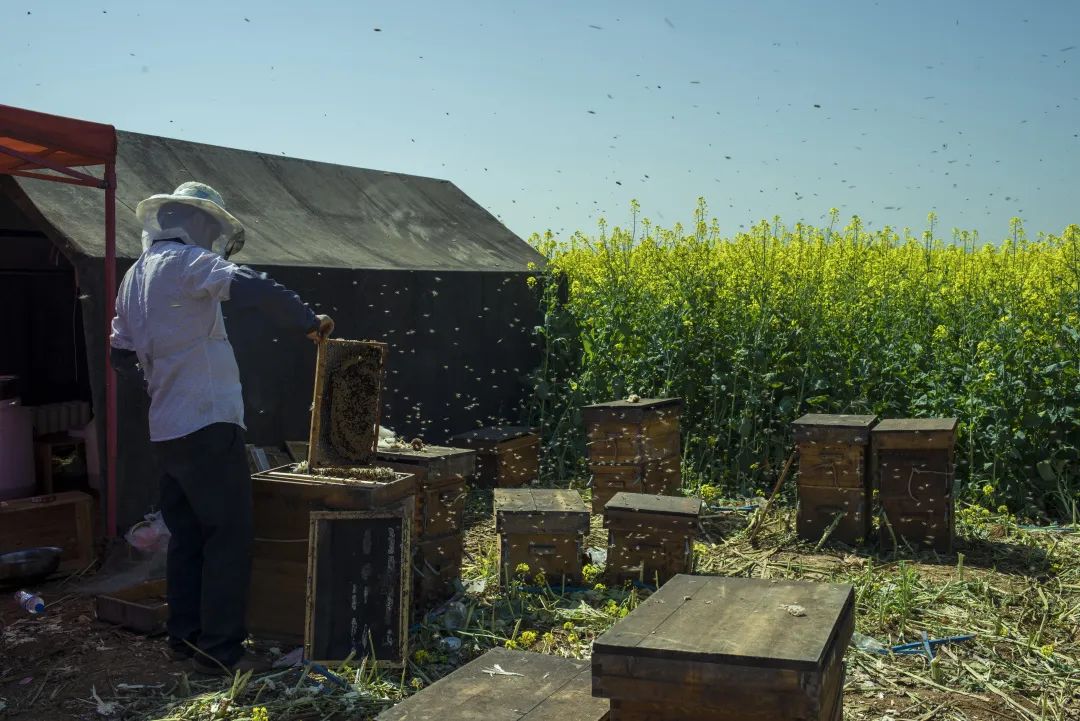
(633, 446)
(650, 538)
(834, 485)
(543, 529)
(441, 476)
(728, 649)
(914, 469)
(506, 456)
(340, 476)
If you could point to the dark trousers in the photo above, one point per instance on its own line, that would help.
(206, 503)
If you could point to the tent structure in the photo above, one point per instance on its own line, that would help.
(31, 145)
(408, 260)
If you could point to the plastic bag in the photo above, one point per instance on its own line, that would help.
(149, 535)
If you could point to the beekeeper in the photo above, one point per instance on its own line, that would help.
(169, 326)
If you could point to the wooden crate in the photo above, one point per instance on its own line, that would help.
(345, 439)
(140, 608)
(358, 589)
(544, 528)
(833, 476)
(506, 456)
(650, 537)
(542, 688)
(728, 649)
(283, 501)
(64, 520)
(658, 477)
(441, 474)
(914, 468)
(436, 566)
(622, 432)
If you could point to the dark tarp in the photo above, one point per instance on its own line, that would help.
(407, 260)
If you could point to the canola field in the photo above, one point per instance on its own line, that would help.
(754, 329)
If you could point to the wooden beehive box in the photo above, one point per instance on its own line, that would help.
(728, 649)
(64, 520)
(834, 479)
(633, 447)
(538, 688)
(283, 501)
(506, 456)
(543, 528)
(658, 477)
(346, 404)
(621, 432)
(650, 538)
(441, 475)
(914, 467)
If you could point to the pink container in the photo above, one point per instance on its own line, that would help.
(16, 450)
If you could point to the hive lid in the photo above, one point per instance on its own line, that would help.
(625, 410)
(644, 403)
(831, 420)
(736, 621)
(916, 425)
(538, 500)
(482, 438)
(532, 686)
(649, 503)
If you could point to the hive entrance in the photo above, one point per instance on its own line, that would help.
(348, 397)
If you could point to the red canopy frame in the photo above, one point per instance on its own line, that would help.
(31, 144)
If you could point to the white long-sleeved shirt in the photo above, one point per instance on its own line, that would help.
(168, 310)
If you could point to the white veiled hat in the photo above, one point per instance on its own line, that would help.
(199, 195)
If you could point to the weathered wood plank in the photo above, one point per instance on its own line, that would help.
(747, 621)
(548, 689)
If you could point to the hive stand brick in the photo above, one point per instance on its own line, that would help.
(64, 520)
(650, 537)
(834, 478)
(543, 528)
(548, 689)
(913, 463)
(728, 649)
(506, 456)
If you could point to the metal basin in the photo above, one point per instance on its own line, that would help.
(29, 565)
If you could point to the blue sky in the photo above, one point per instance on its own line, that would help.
(553, 113)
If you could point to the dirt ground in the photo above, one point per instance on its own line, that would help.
(65, 665)
(52, 665)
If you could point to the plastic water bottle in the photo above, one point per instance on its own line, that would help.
(30, 602)
(868, 644)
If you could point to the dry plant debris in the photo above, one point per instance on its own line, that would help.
(1016, 590)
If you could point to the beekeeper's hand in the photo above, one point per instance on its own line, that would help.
(326, 327)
